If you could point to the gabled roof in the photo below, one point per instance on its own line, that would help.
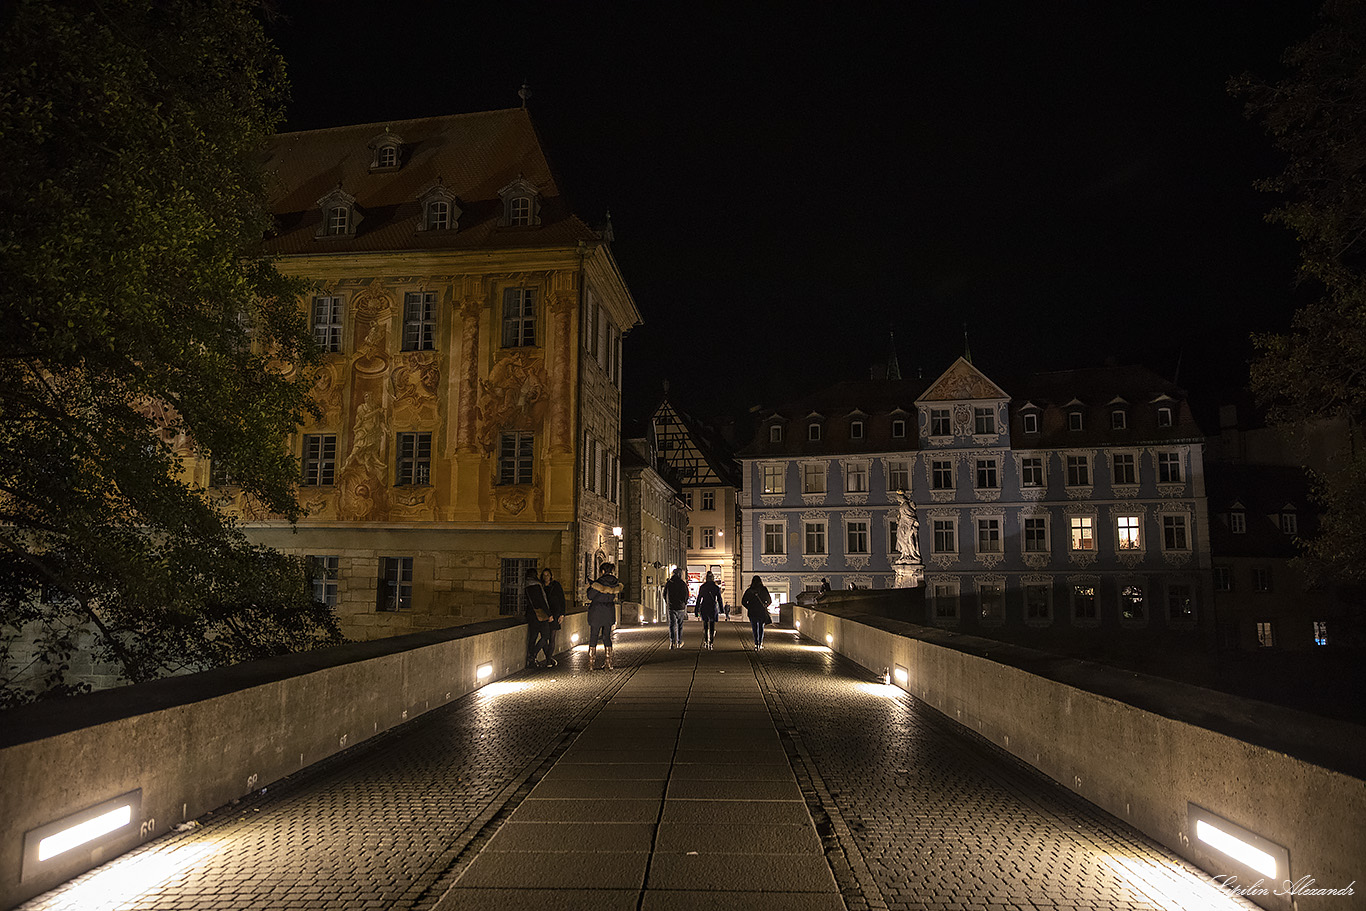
(962, 381)
(472, 155)
(875, 402)
(712, 449)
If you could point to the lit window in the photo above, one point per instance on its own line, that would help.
(813, 431)
(1128, 533)
(1031, 472)
(815, 538)
(940, 423)
(1036, 535)
(1174, 533)
(1320, 632)
(709, 499)
(1074, 420)
(1266, 637)
(519, 317)
(1131, 604)
(941, 475)
(988, 536)
(327, 323)
(945, 537)
(983, 420)
(1169, 467)
(773, 538)
(898, 476)
(1083, 532)
(813, 478)
(1078, 471)
(1030, 422)
(414, 459)
(395, 590)
(320, 459)
(1164, 417)
(856, 478)
(324, 571)
(986, 474)
(515, 458)
(773, 479)
(1118, 420)
(1124, 469)
(856, 534)
(1237, 522)
(419, 321)
(898, 429)
(856, 430)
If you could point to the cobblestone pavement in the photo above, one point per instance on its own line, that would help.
(912, 812)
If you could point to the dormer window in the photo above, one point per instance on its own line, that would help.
(813, 431)
(1029, 422)
(1118, 419)
(1164, 417)
(898, 429)
(439, 210)
(855, 430)
(1074, 420)
(386, 152)
(775, 433)
(521, 204)
(340, 216)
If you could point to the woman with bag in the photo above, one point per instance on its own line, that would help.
(554, 595)
(755, 603)
(708, 608)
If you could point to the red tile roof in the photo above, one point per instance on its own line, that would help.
(472, 155)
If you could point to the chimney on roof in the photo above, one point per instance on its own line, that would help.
(524, 92)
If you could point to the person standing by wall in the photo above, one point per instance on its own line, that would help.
(554, 596)
(708, 608)
(602, 613)
(676, 597)
(755, 602)
(537, 622)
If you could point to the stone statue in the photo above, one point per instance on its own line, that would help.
(907, 530)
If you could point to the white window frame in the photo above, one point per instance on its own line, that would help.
(1169, 469)
(1032, 471)
(709, 537)
(854, 527)
(899, 429)
(991, 465)
(775, 433)
(708, 501)
(942, 418)
(951, 526)
(983, 421)
(1164, 416)
(1266, 634)
(1078, 470)
(327, 322)
(1029, 422)
(818, 529)
(812, 471)
(419, 320)
(984, 526)
(1129, 533)
(1237, 522)
(813, 431)
(942, 465)
(1025, 543)
(1132, 462)
(1074, 524)
(856, 477)
(770, 472)
(898, 469)
(1176, 522)
(1290, 523)
(855, 430)
(778, 531)
(1119, 419)
(1076, 421)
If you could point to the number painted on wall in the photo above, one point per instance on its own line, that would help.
(251, 782)
(149, 826)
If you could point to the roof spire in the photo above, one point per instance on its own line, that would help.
(524, 92)
(893, 368)
(967, 352)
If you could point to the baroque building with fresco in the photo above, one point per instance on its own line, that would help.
(1063, 505)
(470, 390)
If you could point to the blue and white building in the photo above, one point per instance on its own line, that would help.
(1065, 501)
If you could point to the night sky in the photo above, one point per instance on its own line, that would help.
(1071, 180)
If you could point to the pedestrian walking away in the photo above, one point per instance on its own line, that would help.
(554, 595)
(676, 597)
(537, 622)
(755, 602)
(602, 613)
(708, 608)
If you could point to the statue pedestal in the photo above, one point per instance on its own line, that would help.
(909, 575)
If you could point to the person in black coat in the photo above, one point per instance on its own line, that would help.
(755, 603)
(554, 595)
(709, 608)
(537, 620)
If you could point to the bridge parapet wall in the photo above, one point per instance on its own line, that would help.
(1142, 748)
(195, 743)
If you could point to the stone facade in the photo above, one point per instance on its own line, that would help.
(1075, 504)
(470, 392)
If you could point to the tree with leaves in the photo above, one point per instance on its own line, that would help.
(140, 322)
(1316, 372)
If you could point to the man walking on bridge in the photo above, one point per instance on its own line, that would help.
(676, 596)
